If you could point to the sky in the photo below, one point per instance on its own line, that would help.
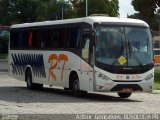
(126, 8)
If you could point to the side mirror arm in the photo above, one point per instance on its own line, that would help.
(93, 33)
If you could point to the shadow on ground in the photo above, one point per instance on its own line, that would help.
(52, 95)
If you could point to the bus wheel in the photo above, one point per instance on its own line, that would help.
(76, 89)
(124, 95)
(66, 88)
(30, 85)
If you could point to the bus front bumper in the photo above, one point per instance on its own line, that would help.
(118, 86)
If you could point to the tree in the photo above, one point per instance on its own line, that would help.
(28, 10)
(96, 7)
(156, 23)
(146, 9)
(5, 14)
(56, 7)
(135, 16)
(20, 11)
(157, 2)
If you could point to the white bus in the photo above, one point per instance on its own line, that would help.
(92, 54)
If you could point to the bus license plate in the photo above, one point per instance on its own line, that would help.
(127, 90)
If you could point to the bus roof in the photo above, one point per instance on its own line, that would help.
(90, 20)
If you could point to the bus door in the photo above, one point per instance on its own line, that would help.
(86, 69)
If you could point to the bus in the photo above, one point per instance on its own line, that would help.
(91, 54)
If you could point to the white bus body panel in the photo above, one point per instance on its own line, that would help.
(74, 63)
(82, 68)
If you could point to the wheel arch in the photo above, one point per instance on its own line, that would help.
(72, 76)
(28, 67)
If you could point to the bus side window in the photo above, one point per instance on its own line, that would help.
(52, 38)
(68, 38)
(36, 39)
(43, 38)
(73, 37)
(61, 38)
(49, 37)
(30, 41)
(14, 39)
(25, 39)
(56, 38)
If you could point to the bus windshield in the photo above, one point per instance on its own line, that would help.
(123, 46)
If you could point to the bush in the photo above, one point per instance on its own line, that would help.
(4, 44)
(157, 79)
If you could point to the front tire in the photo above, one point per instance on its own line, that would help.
(124, 95)
(76, 89)
(30, 84)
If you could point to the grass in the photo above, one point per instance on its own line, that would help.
(3, 56)
(157, 80)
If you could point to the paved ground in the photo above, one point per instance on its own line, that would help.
(3, 66)
(16, 99)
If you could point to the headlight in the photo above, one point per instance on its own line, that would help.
(149, 77)
(103, 77)
(100, 75)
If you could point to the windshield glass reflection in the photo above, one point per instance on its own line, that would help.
(123, 46)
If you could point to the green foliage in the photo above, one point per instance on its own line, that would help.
(155, 23)
(4, 44)
(157, 80)
(20, 11)
(28, 10)
(5, 15)
(96, 7)
(146, 9)
(55, 10)
(135, 16)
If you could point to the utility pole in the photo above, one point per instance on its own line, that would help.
(159, 28)
(62, 12)
(86, 8)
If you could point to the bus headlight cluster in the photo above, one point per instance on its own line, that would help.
(103, 77)
(149, 77)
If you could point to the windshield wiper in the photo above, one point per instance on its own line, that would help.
(135, 56)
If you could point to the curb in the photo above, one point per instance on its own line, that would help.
(156, 92)
(3, 70)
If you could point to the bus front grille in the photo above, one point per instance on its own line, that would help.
(127, 80)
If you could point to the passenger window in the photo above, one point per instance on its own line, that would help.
(36, 39)
(73, 37)
(30, 40)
